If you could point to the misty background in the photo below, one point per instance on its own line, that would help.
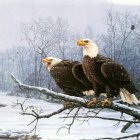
(33, 29)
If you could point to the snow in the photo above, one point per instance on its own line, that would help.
(11, 122)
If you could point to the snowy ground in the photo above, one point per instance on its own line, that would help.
(10, 119)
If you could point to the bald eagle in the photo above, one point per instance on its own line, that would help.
(103, 71)
(69, 76)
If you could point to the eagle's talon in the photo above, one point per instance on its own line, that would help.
(106, 103)
(92, 102)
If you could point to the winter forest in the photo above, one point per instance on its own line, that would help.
(55, 36)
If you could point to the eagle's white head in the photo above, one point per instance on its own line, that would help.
(89, 47)
(49, 62)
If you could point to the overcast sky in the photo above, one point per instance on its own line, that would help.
(79, 13)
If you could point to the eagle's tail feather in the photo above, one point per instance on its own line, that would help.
(128, 97)
(88, 93)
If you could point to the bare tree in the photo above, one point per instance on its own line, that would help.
(121, 41)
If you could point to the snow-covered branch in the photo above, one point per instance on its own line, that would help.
(49, 92)
(115, 106)
(82, 103)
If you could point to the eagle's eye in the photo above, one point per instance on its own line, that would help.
(49, 63)
(86, 41)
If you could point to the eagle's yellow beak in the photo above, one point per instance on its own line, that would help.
(81, 43)
(45, 60)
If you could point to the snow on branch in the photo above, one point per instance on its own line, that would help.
(49, 92)
(115, 106)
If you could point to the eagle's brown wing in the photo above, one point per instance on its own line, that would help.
(62, 73)
(117, 76)
(78, 73)
(63, 76)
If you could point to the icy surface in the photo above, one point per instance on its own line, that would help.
(12, 121)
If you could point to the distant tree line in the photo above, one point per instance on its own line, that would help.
(54, 37)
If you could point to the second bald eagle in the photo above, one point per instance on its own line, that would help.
(69, 76)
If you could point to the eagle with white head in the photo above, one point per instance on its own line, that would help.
(103, 71)
(69, 76)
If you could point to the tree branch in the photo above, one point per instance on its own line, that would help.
(33, 111)
(104, 118)
(49, 92)
(47, 115)
(115, 106)
(127, 125)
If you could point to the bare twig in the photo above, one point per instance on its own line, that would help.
(73, 119)
(38, 116)
(127, 125)
(69, 113)
(104, 118)
(120, 118)
(33, 111)
(68, 126)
